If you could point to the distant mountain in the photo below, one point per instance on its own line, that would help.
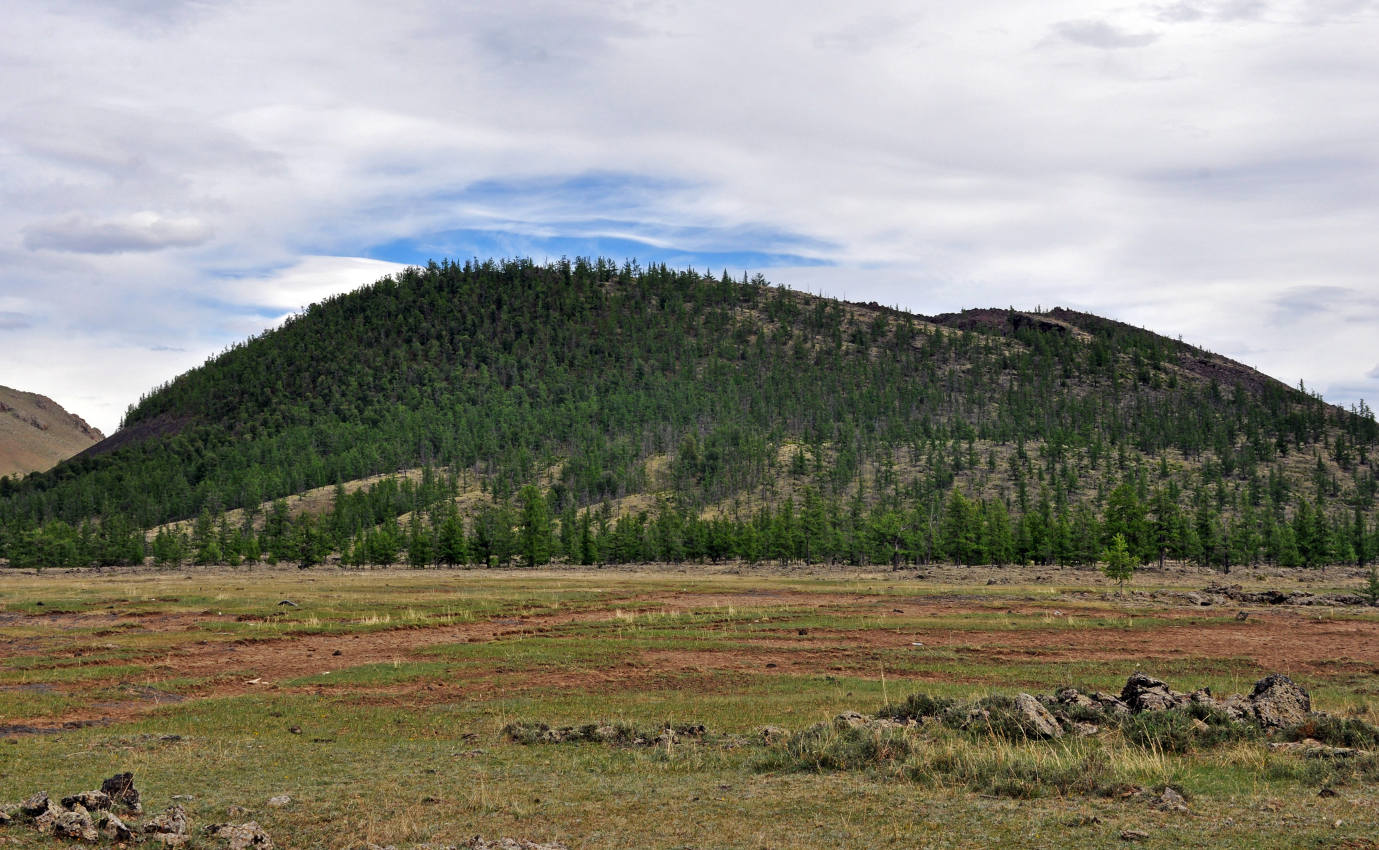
(735, 417)
(36, 433)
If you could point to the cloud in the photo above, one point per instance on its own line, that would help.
(144, 231)
(14, 321)
(1373, 373)
(311, 279)
(1102, 35)
(1216, 185)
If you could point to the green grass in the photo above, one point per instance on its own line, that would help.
(412, 750)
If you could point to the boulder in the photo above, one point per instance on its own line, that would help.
(92, 801)
(121, 791)
(1277, 701)
(478, 843)
(36, 806)
(1036, 717)
(245, 836)
(113, 828)
(1110, 703)
(75, 824)
(772, 734)
(1072, 697)
(1143, 692)
(173, 821)
(1170, 800)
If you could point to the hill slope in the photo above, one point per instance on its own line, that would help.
(693, 399)
(36, 433)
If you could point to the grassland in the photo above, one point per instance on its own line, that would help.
(378, 701)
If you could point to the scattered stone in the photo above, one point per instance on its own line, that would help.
(1074, 697)
(1134, 835)
(1313, 748)
(478, 843)
(295, 730)
(1327, 792)
(1200, 599)
(245, 836)
(46, 823)
(849, 718)
(1143, 692)
(1085, 730)
(337, 652)
(113, 828)
(1278, 701)
(1170, 800)
(1242, 616)
(173, 821)
(772, 734)
(75, 824)
(1110, 703)
(237, 812)
(92, 801)
(1038, 718)
(5, 818)
(121, 789)
(281, 801)
(288, 603)
(802, 632)
(36, 805)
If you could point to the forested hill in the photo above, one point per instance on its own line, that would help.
(718, 405)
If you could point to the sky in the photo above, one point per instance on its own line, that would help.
(178, 175)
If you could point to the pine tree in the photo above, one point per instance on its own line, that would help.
(1119, 564)
(421, 547)
(535, 533)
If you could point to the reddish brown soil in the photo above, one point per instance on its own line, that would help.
(1285, 640)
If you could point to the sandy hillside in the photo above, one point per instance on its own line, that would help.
(36, 433)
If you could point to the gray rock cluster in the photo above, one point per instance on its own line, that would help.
(478, 843)
(111, 812)
(1275, 703)
(541, 733)
(1218, 594)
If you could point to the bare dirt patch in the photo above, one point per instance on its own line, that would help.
(1294, 641)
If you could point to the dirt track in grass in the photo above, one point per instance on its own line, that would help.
(1290, 640)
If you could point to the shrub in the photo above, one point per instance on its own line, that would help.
(827, 748)
(1174, 730)
(916, 707)
(1336, 732)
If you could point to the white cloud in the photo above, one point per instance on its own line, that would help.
(144, 231)
(1203, 165)
(307, 281)
(1100, 34)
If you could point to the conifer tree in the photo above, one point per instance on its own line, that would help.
(1119, 564)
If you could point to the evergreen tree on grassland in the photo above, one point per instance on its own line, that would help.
(1119, 564)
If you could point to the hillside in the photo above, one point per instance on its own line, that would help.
(36, 433)
(599, 411)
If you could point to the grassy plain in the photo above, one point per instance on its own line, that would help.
(378, 700)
